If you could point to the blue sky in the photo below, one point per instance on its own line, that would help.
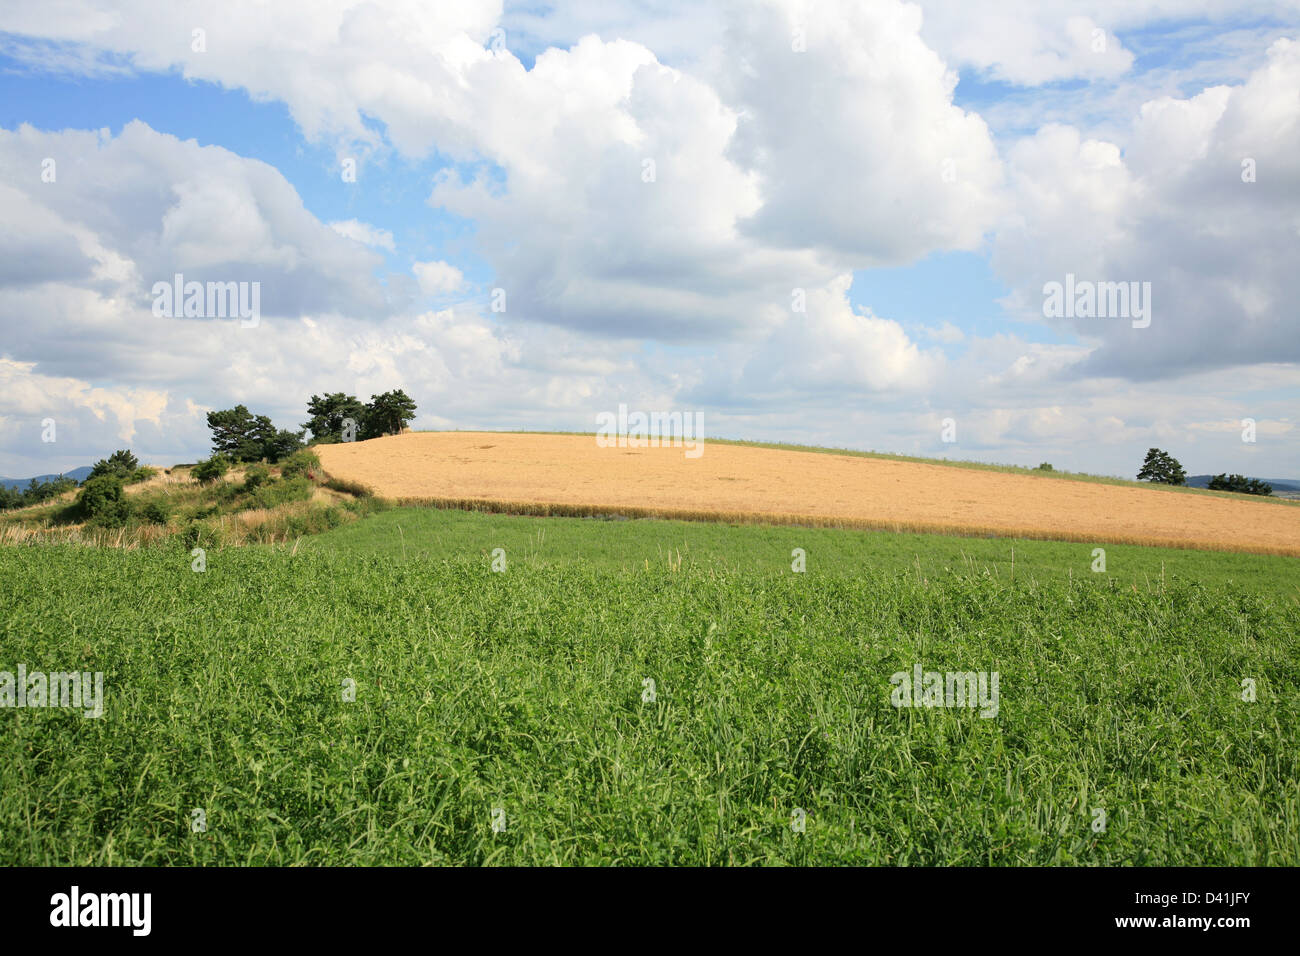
(504, 148)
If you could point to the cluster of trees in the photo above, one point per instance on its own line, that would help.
(102, 498)
(240, 436)
(237, 436)
(340, 417)
(121, 465)
(1163, 468)
(1249, 486)
(35, 492)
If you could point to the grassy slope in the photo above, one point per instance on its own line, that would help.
(434, 534)
(523, 690)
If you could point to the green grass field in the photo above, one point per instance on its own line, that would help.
(522, 692)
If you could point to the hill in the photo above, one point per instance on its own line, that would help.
(80, 474)
(532, 473)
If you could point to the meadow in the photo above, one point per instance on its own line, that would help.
(520, 699)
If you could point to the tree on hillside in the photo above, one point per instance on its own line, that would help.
(387, 414)
(35, 492)
(241, 436)
(1162, 468)
(121, 463)
(328, 413)
(1240, 483)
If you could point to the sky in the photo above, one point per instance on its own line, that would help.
(830, 222)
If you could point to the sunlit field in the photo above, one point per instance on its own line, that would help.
(647, 692)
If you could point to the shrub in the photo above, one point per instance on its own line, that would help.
(280, 492)
(300, 463)
(1046, 466)
(156, 511)
(209, 470)
(256, 475)
(103, 501)
(143, 473)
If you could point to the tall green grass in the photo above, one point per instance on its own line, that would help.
(523, 691)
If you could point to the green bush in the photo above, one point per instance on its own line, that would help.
(300, 463)
(155, 511)
(143, 473)
(209, 470)
(1046, 466)
(103, 501)
(256, 475)
(281, 492)
(224, 494)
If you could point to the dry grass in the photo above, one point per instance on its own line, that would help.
(572, 475)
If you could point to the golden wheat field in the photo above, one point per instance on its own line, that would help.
(571, 474)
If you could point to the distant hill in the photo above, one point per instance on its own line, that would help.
(78, 473)
(1279, 484)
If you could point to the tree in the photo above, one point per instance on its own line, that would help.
(1162, 468)
(35, 492)
(233, 434)
(1240, 483)
(241, 436)
(281, 444)
(121, 463)
(388, 414)
(327, 414)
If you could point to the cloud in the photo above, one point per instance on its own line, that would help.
(365, 234)
(437, 278)
(653, 198)
(1171, 206)
(145, 205)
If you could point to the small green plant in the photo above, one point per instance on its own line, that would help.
(210, 469)
(300, 463)
(281, 492)
(155, 511)
(1046, 466)
(255, 476)
(143, 473)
